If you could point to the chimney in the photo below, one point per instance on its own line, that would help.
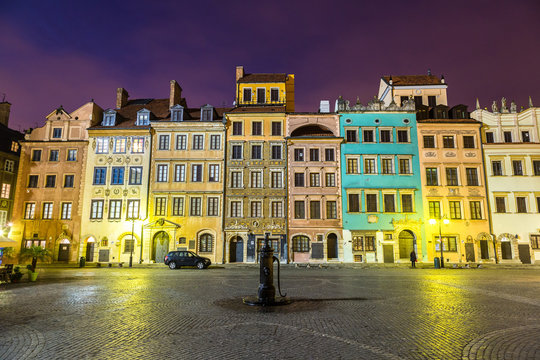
(4, 113)
(239, 72)
(324, 106)
(175, 95)
(443, 81)
(121, 98)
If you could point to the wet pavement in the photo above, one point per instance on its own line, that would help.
(344, 313)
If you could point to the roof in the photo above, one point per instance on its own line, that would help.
(411, 80)
(7, 136)
(312, 130)
(449, 121)
(257, 109)
(262, 78)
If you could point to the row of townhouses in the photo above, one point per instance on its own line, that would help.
(362, 183)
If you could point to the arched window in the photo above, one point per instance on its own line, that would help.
(206, 243)
(300, 243)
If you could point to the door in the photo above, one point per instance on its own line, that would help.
(251, 248)
(406, 244)
(388, 253)
(63, 252)
(90, 251)
(332, 246)
(469, 252)
(103, 255)
(484, 253)
(524, 254)
(236, 249)
(161, 246)
(506, 250)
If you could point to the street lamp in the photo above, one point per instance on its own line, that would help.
(446, 222)
(133, 241)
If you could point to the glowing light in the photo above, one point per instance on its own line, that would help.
(432, 221)
(446, 221)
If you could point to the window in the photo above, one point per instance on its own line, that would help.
(162, 173)
(276, 179)
(9, 165)
(66, 211)
(535, 241)
(196, 173)
(160, 206)
(451, 177)
(143, 117)
(371, 203)
(198, 142)
(179, 172)
(33, 181)
(476, 211)
(50, 181)
(298, 154)
(354, 202)
(500, 204)
(72, 155)
(138, 145)
(314, 179)
(68, 181)
(177, 113)
(135, 175)
(236, 209)
(538, 204)
(389, 203)
(403, 136)
(236, 152)
(429, 141)
(300, 243)
(36, 155)
(517, 166)
(115, 209)
(276, 152)
(117, 175)
(455, 209)
(351, 135)
(47, 210)
(449, 243)
(261, 95)
(404, 166)
(448, 142)
(29, 210)
(472, 176)
(274, 95)
(521, 204)
(129, 245)
(468, 142)
(213, 173)
(206, 114)
(385, 136)
(299, 179)
(387, 166)
(276, 128)
(508, 136)
(102, 145)
(163, 142)
(212, 206)
(536, 167)
(120, 145)
(132, 209)
(96, 209)
(330, 179)
(181, 142)
(358, 243)
(489, 138)
(418, 101)
(525, 137)
(206, 243)
(431, 177)
(406, 203)
(247, 95)
(369, 166)
(178, 206)
(5, 191)
(53, 155)
(14, 148)
(57, 133)
(256, 128)
(329, 155)
(368, 136)
(434, 210)
(236, 179)
(256, 179)
(299, 209)
(256, 209)
(315, 209)
(496, 167)
(277, 209)
(215, 142)
(237, 128)
(432, 101)
(331, 210)
(313, 154)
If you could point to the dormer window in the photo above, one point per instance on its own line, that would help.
(206, 113)
(177, 113)
(247, 95)
(109, 118)
(143, 117)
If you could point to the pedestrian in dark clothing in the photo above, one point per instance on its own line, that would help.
(413, 259)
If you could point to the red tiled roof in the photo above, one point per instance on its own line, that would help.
(258, 109)
(262, 78)
(411, 80)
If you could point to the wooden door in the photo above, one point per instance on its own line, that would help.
(90, 252)
(388, 253)
(63, 252)
(524, 253)
(484, 253)
(506, 250)
(469, 252)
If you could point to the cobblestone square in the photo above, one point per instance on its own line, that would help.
(337, 313)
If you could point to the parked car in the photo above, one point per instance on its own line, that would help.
(177, 259)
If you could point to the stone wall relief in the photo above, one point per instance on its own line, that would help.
(450, 154)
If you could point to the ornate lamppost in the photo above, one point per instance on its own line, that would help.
(446, 222)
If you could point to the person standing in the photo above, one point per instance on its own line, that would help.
(413, 259)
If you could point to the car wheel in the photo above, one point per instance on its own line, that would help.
(172, 265)
(200, 265)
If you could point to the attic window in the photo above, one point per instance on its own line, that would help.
(109, 118)
(143, 117)
(177, 113)
(206, 113)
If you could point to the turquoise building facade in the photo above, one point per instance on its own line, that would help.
(381, 184)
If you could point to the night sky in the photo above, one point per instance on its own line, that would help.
(56, 53)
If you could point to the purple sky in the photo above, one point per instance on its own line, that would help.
(66, 52)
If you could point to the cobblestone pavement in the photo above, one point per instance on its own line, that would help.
(147, 313)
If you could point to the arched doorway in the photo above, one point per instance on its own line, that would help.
(90, 247)
(331, 246)
(236, 249)
(160, 246)
(406, 244)
(63, 250)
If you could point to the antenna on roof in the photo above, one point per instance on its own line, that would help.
(429, 72)
(3, 97)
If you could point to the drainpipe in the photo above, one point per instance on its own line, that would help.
(490, 221)
(224, 179)
(147, 192)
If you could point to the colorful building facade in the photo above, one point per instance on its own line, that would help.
(427, 90)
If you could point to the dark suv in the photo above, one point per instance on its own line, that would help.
(176, 259)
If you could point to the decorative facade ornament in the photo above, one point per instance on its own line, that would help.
(513, 107)
(494, 108)
(450, 154)
(470, 154)
(530, 102)
(375, 104)
(430, 154)
(477, 104)
(504, 108)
